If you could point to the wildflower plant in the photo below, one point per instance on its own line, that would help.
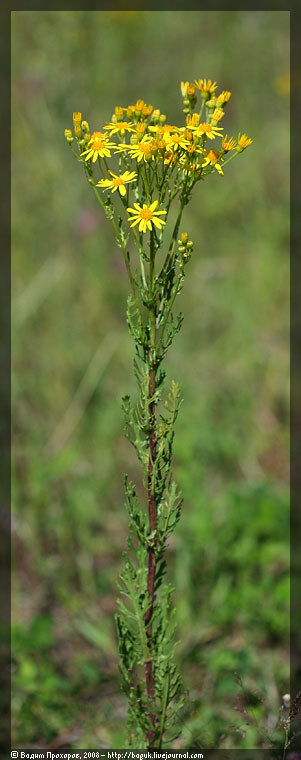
(143, 171)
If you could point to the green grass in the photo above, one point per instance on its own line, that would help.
(72, 359)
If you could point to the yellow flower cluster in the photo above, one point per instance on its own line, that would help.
(148, 149)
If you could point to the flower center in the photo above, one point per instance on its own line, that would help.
(145, 148)
(118, 181)
(97, 143)
(205, 127)
(212, 155)
(146, 213)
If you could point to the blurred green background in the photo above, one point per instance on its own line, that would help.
(72, 358)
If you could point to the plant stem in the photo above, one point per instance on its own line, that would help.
(152, 508)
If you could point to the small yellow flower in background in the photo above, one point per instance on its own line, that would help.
(205, 86)
(119, 126)
(146, 216)
(99, 145)
(212, 159)
(218, 115)
(142, 150)
(77, 117)
(209, 130)
(243, 142)
(223, 97)
(118, 182)
(228, 144)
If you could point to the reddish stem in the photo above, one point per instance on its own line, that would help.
(152, 512)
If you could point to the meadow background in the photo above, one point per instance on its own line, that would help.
(72, 364)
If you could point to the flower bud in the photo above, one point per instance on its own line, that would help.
(77, 117)
(85, 126)
(134, 139)
(162, 118)
(77, 130)
(181, 249)
(118, 113)
(146, 110)
(189, 245)
(286, 699)
(190, 91)
(184, 237)
(155, 115)
(68, 135)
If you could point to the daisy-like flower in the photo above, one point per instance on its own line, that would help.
(212, 158)
(119, 126)
(209, 130)
(142, 150)
(99, 145)
(162, 129)
(243, 142)
(118, 182)
(173, 142)
(205, 86)
(228, 144)
(146, 216)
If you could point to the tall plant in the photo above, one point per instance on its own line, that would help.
(156, 167)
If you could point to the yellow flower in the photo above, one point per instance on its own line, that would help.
(170, 157)
(77, 117)
(140, 128)
(223, 97)
(228, 144)
(243, 142)
(173, 142)
(119, 126)
(146, 110)
(190, 90)
(193, 120)
(184, 86)
(117, 183)
(119, 112)
(99, 145)
(205, 85)
(209, 130)
(218, 114)
(162, 129)
(212, 159)
(143, 149)
(146, 216)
